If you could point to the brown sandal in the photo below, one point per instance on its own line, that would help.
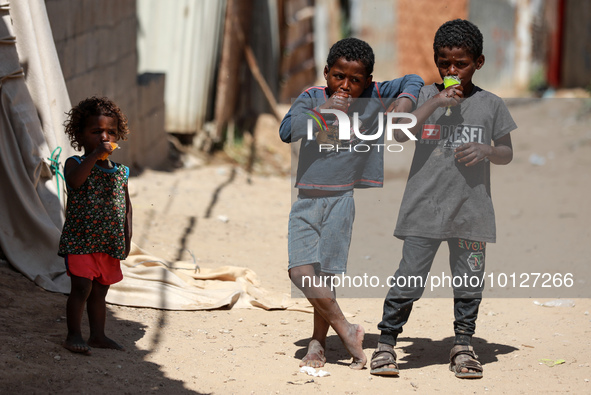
(461, 357)
(381, 358)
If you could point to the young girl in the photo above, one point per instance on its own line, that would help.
(97, 231)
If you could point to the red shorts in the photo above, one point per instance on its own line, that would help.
(96, 266)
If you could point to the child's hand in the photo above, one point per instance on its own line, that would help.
(338, 101)
(105, 149)
(472, 153)
(450, 96)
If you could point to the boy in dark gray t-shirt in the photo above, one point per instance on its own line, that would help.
(447, 196)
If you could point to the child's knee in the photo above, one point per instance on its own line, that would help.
(99, 289)
(80, 287)
(300, 274)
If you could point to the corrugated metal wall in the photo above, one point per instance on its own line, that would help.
(497, 20)
(182, 38)
(376, 22)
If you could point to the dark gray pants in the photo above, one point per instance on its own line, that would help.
(466, 260)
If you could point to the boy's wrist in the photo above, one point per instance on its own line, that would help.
(403, 104)
(433, 104)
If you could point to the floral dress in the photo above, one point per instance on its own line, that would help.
(95, 214)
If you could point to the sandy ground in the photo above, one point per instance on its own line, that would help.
(225, 216)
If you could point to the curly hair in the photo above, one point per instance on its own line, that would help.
(459, 33)
(352, 49)
(91, 107)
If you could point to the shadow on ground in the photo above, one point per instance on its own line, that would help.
(421, 352)
(34, 361)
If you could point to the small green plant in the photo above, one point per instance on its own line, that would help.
(537, 82)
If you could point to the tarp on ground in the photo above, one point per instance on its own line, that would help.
(34, 100)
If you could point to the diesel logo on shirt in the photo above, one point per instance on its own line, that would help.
(455, 135)
(431, 132)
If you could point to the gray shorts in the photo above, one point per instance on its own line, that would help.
(320, 232)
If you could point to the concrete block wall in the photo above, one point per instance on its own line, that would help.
(151, 105)
(97, 47)
(417, 23)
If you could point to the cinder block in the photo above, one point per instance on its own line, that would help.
(79, 88)
(152, 92)
(126, 74)
(57, 11)
(156, 117)
(127, 40)
(103, 82)
(141, 97)
(98, 53)
(77, 8)
(92, 50)
(122, 40)
(121, 10)
(69, 59)
(133, 110)
(110, 12)
(155, 147)
(130, 8)
(97, 77)
(109, 87)
(144, 133)
(160, 88)
(155, 130)
(59, 47)
(80, 43)
(88, 16)
(111, 38)
(144, 93)
(130, 106)
(103, 46)
(98, 10)
(131, 143)
(108, 45)
(135, 136)
(124, 105)
(64, 50)
(131, 25)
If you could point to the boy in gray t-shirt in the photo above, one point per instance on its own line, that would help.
(321, 220)
(447, 196)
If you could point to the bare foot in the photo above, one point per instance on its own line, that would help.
(354, 345)
(315, 356)
(77, 345)
(105, 342)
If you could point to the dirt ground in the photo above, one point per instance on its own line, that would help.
(223, 215)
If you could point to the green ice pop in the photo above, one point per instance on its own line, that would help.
(447, 82)
(450, 80)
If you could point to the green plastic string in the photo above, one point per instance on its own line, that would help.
(55, 168)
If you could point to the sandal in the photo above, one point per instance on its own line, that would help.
(461, 357)
(381, 358)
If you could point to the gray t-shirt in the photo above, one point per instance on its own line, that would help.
(444, 199)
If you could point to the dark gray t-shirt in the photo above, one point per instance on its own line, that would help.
(445, 199)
